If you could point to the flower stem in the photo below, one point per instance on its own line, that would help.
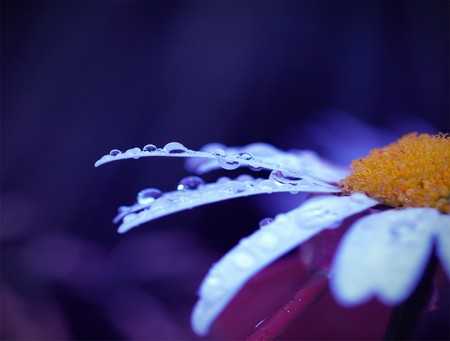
(276, 324)
(404, 317)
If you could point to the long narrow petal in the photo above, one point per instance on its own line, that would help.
(223, 189)
(443, 242)
(299, 164)
(383, 255)
(261, 248)
(303, 161)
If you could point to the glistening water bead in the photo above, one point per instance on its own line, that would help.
(265, 222)
(279, 176)
(246, 156)
(190, 183)
(228, 164)
(149, 148)
(175, 148)
(115, 152)
(147, 196)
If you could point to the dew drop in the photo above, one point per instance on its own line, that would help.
(211, 147)
(149, 148)
(244, 178)
(267, 186)
(405, 232)
(134, 151)
(234, 186)
(161, 204)
(148, 195)
(280, 177)
(264, 222)
(288, 308)
(175, 148)
(243, 260)
(115, 152)
(246, 156)
(268, 241)
(219, 152)
(228, 164)
(211, 293)
(223, 179)
(190, 183)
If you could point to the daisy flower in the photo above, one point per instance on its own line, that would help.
(400, 192)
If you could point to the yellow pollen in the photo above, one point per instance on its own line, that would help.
(412, 172)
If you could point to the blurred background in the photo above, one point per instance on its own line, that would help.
(81, 78)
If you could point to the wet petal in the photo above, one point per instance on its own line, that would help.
(304, 164)
(261, 248)
(302, 161)
(383, 255)
(223, 189)
(443, 242)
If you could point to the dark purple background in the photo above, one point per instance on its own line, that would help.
(81, 78)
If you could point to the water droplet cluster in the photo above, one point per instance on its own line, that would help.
(288, 167)
(147, 196)
(192, 191)
(273, 239)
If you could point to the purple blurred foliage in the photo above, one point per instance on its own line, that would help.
(81, 78)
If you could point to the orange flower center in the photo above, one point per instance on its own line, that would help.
(412, 172)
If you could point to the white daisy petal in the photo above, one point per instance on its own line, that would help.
(383, 255)
(223, 189)
(299, 164)
(443, 242)
(255, 252)
(269, 157)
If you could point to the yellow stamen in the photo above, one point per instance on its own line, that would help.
(412, 172)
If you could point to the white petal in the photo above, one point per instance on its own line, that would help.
(223, 189)
(301, 164)
(255, 252)
(383, 255)
(300, 161)
(443, 242)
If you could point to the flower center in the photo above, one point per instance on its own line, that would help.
(412, 172)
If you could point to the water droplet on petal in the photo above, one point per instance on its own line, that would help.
(219, 152)
(244, 178)
(211, 147)
(234, 186)
(223, 179)
(147, 196)
(405, 232)
(267, 186)
(134, 151)
(265, 222)
(161, 204)
(190, 183)
(115, 152)
(243, 260)
(211, 289)
(149, 148)
(246, 156)
(228, 164)
(268, 240)
(279, 176)
(212, 281)
(175, 148)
